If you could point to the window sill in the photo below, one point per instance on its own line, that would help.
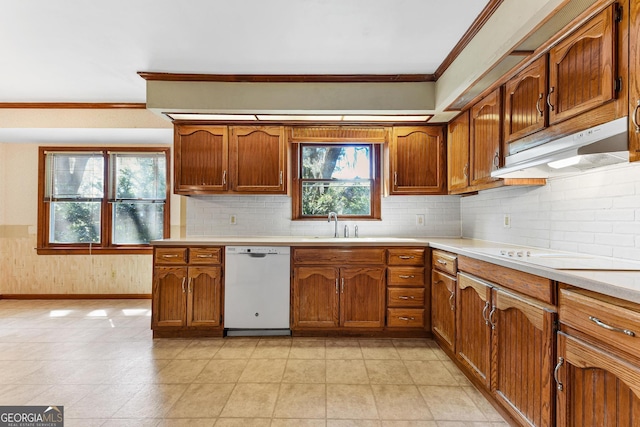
(146, 250)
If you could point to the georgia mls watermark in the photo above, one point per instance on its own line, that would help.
(31, 416)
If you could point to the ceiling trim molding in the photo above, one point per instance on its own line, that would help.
(475, 27)
(74, 105)
(288, 78)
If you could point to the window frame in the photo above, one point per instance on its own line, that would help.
(106, 246)
(376, 180)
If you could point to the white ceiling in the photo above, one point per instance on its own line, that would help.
(88, 51)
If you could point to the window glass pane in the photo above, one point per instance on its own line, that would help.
(137, 223)
(336, 162)
(74, 175)
(139, 176)
(75, 222)
(345, 198)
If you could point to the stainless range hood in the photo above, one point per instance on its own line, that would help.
(598, 146)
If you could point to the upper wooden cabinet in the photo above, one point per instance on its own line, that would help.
(200, 159)
(634, 81)
(525, 101)
(581, 68)
(418, 160)
(258, 159)
(485, 153)
(458, 153)
(235, 159)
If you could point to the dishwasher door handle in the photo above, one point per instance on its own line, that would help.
(256, 255)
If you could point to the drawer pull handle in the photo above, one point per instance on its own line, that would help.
(406, 297)
(441, 262)
(406, 257)
(406, 318)
(406, 276)
(452, 302)
(611, 328)
(170, 256)
(555, 373)
(205, 256)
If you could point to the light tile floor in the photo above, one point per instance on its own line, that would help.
(98, 359)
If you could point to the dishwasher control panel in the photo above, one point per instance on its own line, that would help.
(275, 250)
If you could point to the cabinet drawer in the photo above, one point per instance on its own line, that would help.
(171, 255)
(405, 276)
(610, 320)
(445, 261)
(406, 256)
(405, 297)
(338, 255)
(205, 255)
(405, 317)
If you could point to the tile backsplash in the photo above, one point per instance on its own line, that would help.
(595, 212)
(271, 216)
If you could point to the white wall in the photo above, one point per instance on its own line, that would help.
(271, 215)
(596, 212)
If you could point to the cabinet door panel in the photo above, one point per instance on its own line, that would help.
(315, 297)
(203, 303)
(523, 362)
(258, 159)
(525, 101)
(418, 160)
(169, 297)
(443, 306)
(362, 297)
(598, 388)
(474, 334)
(458, 153)
(200, 159)
(485, 138)
(581, 68)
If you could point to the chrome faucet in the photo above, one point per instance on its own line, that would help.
(335, 217)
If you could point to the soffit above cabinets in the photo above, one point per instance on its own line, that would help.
(547, 29)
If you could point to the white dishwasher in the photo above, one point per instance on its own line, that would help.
(256, 290)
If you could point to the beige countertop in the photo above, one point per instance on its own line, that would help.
(620, 284)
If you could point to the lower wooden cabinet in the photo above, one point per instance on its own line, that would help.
(350, 289)
(473, 339)
(329, 297)
(595, 387)
(443, 308)
(507, 341)
(186, 299)
(598, 365)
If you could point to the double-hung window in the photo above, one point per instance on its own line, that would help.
(337, 177)
(102, 200)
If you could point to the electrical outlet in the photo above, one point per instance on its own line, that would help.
(420, 219)
(506, 221)
(233, 219)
